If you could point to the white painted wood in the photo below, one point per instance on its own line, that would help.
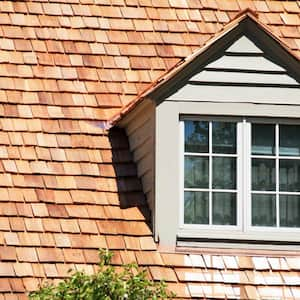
(271, 95)
(245, 63)
(242, 45)
(239, 246)
(167, 169)
(283, 234)
(246, 78)
(238, 109)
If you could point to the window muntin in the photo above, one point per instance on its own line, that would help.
(210, 171)
(271, 184)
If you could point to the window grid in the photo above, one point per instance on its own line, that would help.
(210, 155)
(243, 153)
(277, 157)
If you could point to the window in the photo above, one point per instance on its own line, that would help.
(242, 174)
(210, 164)
(275, 160)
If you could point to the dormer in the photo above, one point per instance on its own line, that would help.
(217, 143)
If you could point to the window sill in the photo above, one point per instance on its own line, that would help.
(237, 247)
(280, 240)
(238, 250)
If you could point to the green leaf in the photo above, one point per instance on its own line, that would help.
(107, 284)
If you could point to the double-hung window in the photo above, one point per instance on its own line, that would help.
(240, 174)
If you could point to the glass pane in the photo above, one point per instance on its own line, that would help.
(224, 173)
(224, 209)
(289, 140)
(263, 139)
(196, 172)
(223, 137)
(289, 175)
(263, 174)
(289, 211)
(263, 210)
(196, 136)
(196, 208)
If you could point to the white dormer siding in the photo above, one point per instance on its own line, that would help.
(243, 74)
(140, 129)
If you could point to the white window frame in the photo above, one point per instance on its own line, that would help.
(243, 230)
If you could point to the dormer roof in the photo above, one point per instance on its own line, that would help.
(246, 24)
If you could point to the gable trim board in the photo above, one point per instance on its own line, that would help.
(243, 72)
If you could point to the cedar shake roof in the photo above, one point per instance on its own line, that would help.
(68, 186)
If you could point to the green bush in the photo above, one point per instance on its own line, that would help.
(107, 284)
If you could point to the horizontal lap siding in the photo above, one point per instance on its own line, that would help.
(237, 61)
(244, 74)
(215, 76)
(239, 94)
(140, 131)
